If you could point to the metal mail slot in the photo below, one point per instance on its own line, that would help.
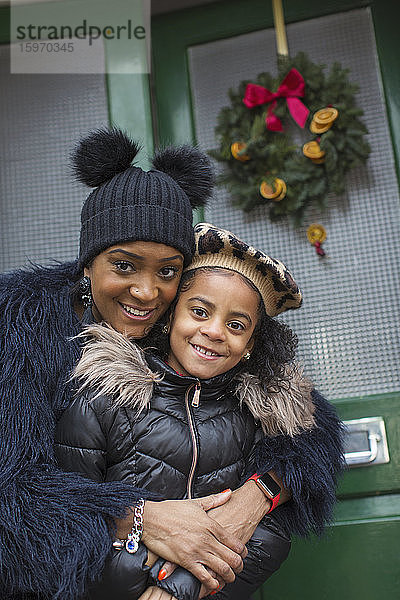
(365, 442)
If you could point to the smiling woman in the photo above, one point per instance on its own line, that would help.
(134, 284)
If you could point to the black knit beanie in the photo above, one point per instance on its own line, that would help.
(130, 204)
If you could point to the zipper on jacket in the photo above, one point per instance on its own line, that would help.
(195, 402)
(196, 395)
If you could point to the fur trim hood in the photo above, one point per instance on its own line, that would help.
(114, 366)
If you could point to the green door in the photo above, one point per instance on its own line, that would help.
(347, 332)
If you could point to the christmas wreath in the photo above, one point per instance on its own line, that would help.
(264, 163)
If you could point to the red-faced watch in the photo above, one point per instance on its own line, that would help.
(270, 488)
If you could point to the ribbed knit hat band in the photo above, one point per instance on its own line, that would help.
(217, 247)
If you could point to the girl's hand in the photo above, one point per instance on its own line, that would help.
(155, 593)
(181, 532)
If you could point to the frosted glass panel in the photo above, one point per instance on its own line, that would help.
(42, 116)
(348, 341)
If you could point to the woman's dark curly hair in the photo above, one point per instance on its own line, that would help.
(274, 342)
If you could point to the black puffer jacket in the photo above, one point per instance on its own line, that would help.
(190, 441)
(176, 436)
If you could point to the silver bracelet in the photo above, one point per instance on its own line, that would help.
(131, 544)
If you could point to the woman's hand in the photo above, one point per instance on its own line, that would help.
(239, 516)
(181, 532)
(245, 509)
(155, 593)
(151, 558)
(204, 591)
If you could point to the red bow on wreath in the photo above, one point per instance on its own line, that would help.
(291, 88)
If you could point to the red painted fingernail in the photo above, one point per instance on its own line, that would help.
(227, 490)
(162, 574)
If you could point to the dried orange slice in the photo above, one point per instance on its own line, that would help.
(276, 191)
(283, 192)
(315, 128)
(326, 116)
(267, 191)
(316, 233)
(313, 150)
(236, 149)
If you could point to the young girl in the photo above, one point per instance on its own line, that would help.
(185, 421)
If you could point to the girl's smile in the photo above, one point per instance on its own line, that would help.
(213, 323)
(205, 352)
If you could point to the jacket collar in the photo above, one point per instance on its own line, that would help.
(112, 365)
(173, 383)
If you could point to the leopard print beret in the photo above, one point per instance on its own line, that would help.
(217, 247)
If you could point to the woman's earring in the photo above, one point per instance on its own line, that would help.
(246, 356)
(165, 329)
(86, 291)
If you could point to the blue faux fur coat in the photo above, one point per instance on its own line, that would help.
(53, 525)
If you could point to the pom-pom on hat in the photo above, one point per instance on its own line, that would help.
(129, 204)
(217, 247)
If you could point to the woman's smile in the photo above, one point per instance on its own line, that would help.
(137, 313)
